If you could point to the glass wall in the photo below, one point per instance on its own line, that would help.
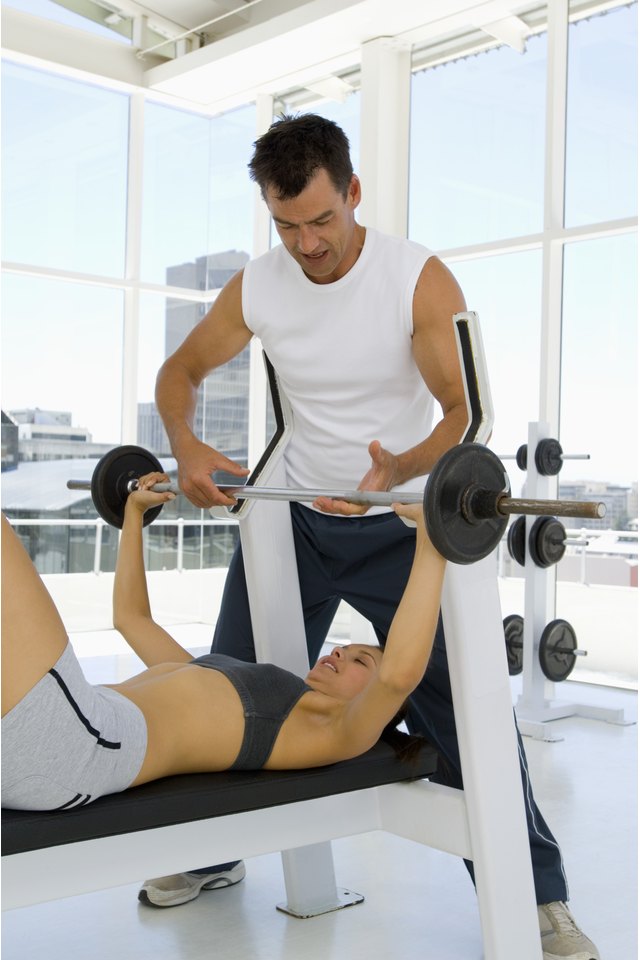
(62, 351)
(477, 148)
(477, 178)
(65, 190)
(477, 194)
(64, 173)
(599, 408)
(510, 324)
(602, 118)
(197, 198)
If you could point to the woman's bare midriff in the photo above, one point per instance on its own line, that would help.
(195, 721)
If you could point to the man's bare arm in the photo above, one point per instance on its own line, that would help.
(437, 298)
(221, 335)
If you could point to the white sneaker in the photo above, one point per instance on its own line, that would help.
(183, 887)
(562, 939)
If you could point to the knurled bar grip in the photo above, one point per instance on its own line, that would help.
(590, 509)
(380, 498)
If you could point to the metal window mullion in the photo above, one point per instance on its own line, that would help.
(554, 193)
(130, 340)
(257, 439)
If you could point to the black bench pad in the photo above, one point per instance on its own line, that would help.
(190, 797)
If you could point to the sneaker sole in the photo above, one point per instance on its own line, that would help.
(143, 896)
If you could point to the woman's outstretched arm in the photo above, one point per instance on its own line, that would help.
(408, 647)
(131, 608)
(412, 631)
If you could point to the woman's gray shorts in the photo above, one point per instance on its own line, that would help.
(67, 742)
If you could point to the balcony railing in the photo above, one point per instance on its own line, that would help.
(578, 542)
(165, 548)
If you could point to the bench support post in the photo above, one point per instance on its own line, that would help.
(278, 624)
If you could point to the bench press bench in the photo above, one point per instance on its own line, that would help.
(167, 825)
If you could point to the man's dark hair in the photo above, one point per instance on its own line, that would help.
(292, 151)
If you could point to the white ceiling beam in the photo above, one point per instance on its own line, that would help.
(510, 30)
(302, 44)
(44, 44)
(331, 88)
(235, 7)
(165, 26)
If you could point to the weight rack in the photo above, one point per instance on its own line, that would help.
(537, 705)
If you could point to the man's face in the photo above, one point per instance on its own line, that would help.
(318, 227)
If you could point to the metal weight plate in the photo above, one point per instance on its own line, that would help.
(557, 643)
(111, 476)
(521, 457)
(455, 537)
(516, 540)
(547, 541)
(513, 636)
(548, 457)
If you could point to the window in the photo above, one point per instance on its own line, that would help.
(64, 173)
(599, 409)
(602, 118)
(510, 325)
(62, 351)
(197, 206)
(477, 148)
(477, 193)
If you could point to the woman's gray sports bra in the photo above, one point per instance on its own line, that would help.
(268, 695)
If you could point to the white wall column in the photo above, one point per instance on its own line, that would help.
(384, 135)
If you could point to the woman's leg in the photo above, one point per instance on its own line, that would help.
(33, 635)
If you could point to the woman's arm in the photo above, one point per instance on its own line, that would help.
(408, 647)
(131, 609)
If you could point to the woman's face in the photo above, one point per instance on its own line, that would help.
(346, 671)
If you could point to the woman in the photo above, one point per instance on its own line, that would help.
(66, 742)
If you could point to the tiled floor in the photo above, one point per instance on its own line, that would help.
(419, 902)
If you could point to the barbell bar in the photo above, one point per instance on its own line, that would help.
(466, 500)
(482, 505)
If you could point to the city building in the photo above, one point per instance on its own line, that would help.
(9, 442)
(222, 412)
(621, 503)
(50, 435)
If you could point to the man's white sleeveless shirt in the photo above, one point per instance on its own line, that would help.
(342, 352)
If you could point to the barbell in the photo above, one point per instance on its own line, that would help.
(467, 502)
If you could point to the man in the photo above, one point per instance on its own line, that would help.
(358, 327)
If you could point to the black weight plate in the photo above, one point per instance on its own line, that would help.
(516, 540)
(111, 476)
(514, 639)
(455, 537)
(521, 457)
(547, 541)
(557, 643)
(548, 457)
